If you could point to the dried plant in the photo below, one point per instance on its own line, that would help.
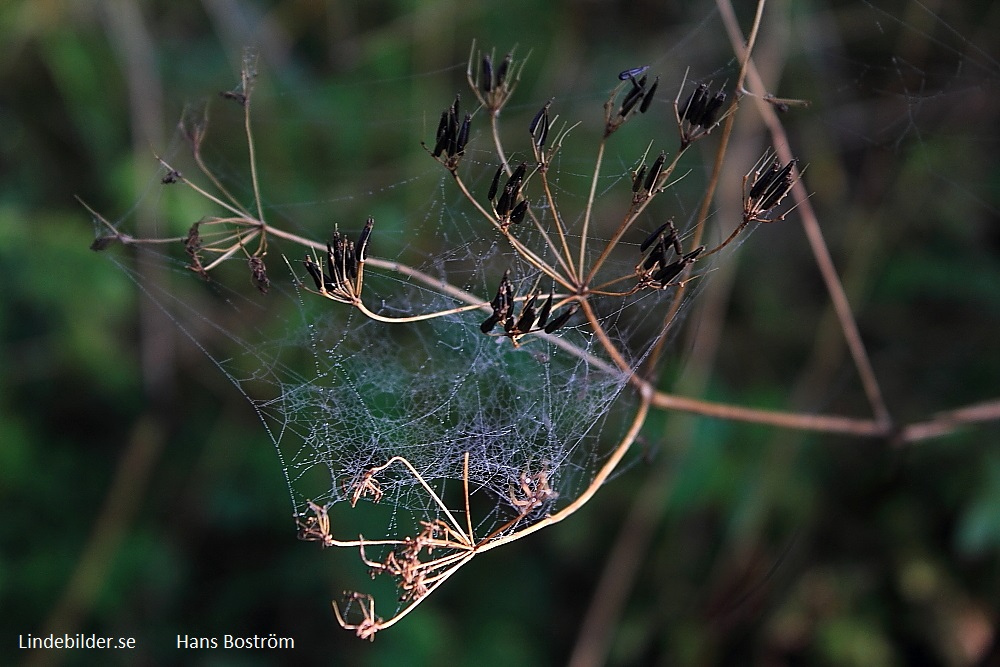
(575, 283)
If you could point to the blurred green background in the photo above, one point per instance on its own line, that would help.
(142, 497)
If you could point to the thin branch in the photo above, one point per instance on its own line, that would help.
(945, 423)
(590, 205)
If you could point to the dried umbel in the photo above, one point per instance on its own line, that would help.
(638, 97)
(767, 190)
(536, 454)
(533, 317)
(452, 136)
(345, 262)
(493, 82)
(314, 525)
(508, 204)
(699, 113)
(659, 268)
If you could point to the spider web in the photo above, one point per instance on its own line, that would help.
(340, 393)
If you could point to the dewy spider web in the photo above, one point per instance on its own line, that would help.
(431, 394)
(408, 391)
(525, 429)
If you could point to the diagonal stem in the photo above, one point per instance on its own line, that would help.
(810, 224)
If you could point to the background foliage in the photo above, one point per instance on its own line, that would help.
(142, 497)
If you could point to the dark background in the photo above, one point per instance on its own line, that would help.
(142, 497)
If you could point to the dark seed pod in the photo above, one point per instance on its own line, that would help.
(502, 289)
(350, 261)
(527, 319)
(332, 261)
(503, 204)
(443, 135)
(508, 198)
(654, 172)
(538, 117)
(487, 73)
(544, 134)
(648, 97)
(693, 255)
(495, 184)
(658, 255)
(489, 323)
(316, 274)
(517, 177)
(442, 130)
(543, 314)
(361, 250)
(629, 103)
(502, 305)
(517, 215)
(669, 272)
(764, 180)
(637, 178)
(539, 127)
(561, 320)
(503, 69)
(779, 187)
(652, 237)
(695, 105)
(632, 98)
(676, 241)
(463, 135)
(712, 108)
(452, 144)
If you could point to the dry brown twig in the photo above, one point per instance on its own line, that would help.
(445, 542)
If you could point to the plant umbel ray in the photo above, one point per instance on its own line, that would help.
(421, 562)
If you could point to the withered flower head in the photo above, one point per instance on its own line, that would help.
(639, 96)
(769, 188)
(699, 114)
(509, 206)
(452, 136)
(539, 126)
(532, 318)
(344, 275)
(493, 83)
(656, 270)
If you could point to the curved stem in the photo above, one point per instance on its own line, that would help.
(253, 158)
(495, 131)
(418, 318)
